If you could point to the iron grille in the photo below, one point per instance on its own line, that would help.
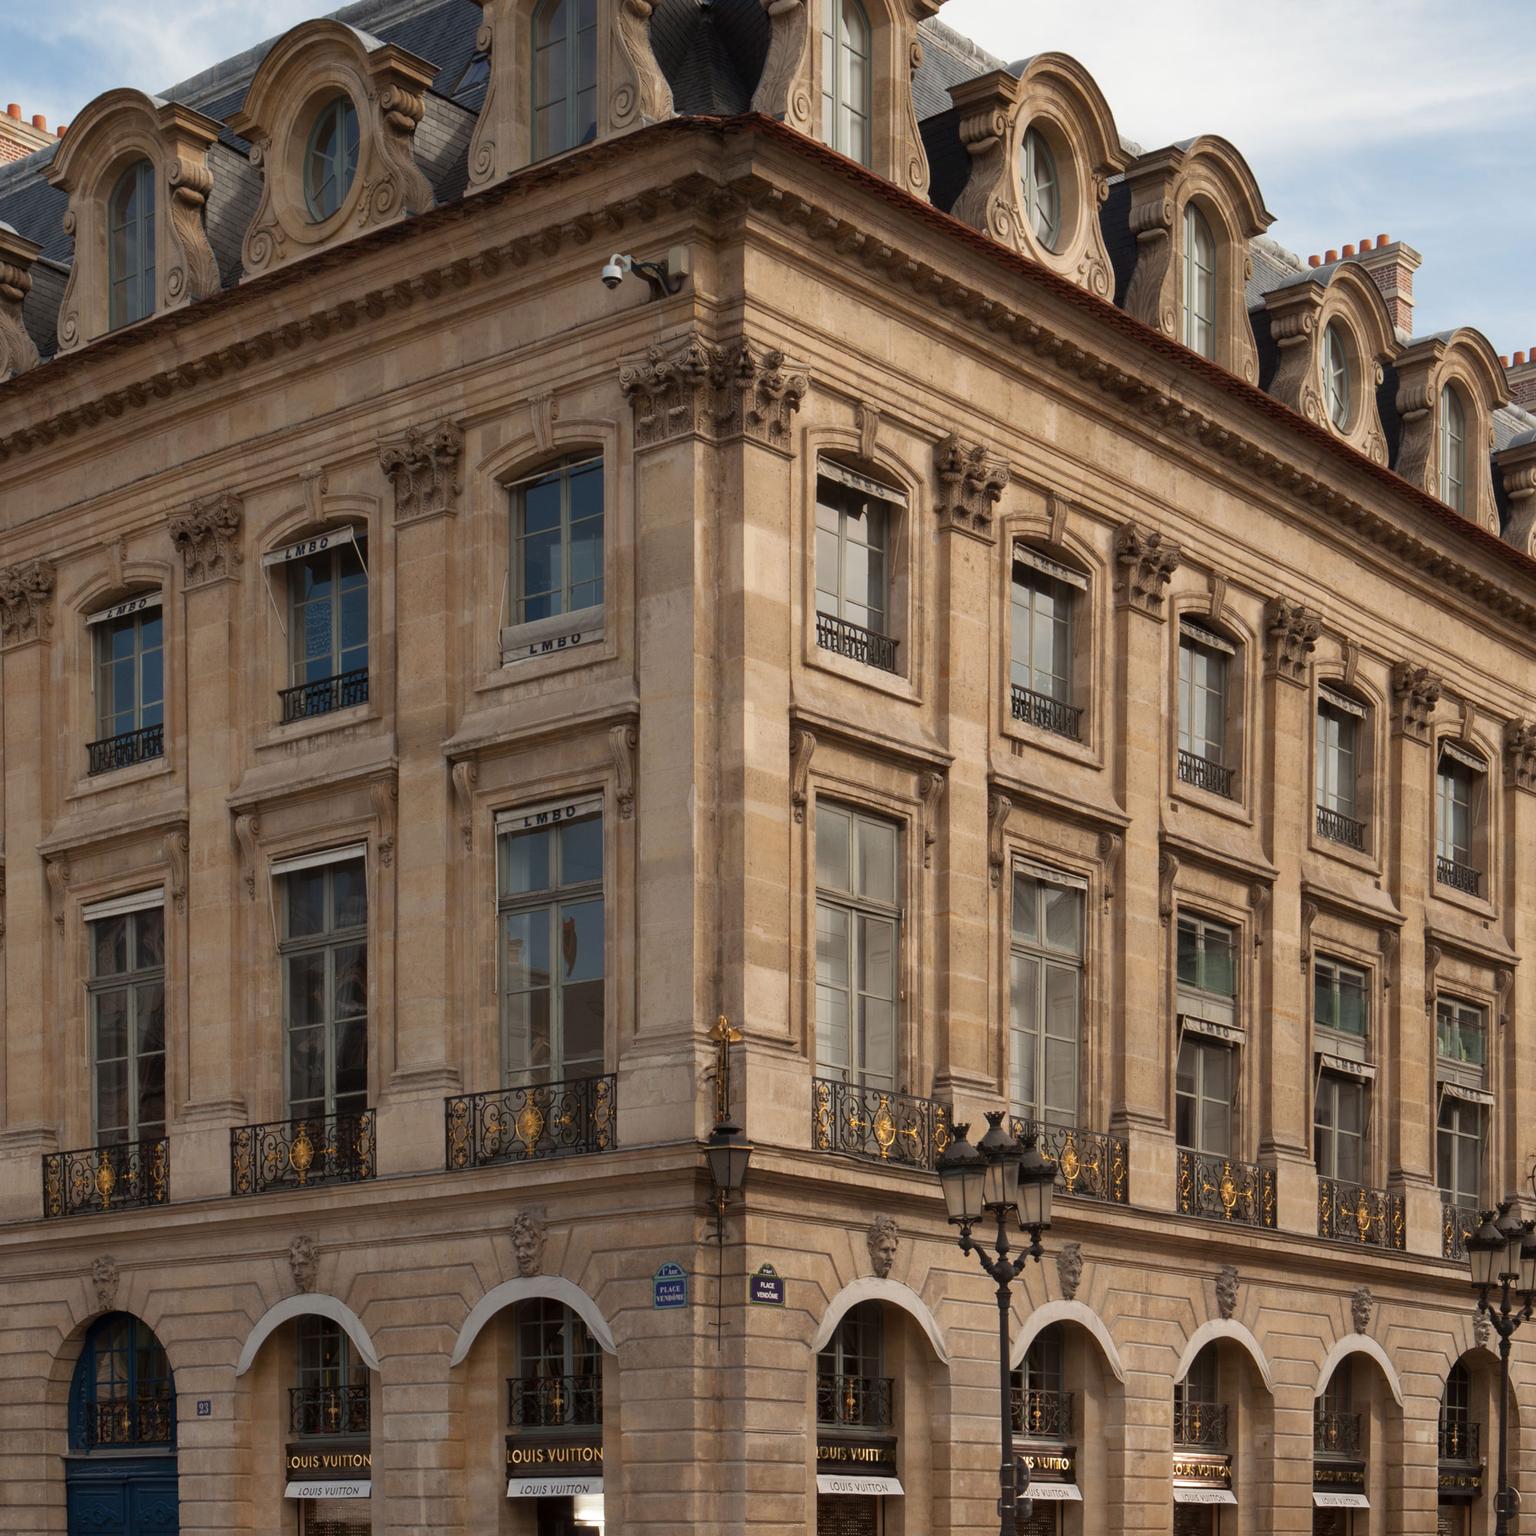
(324, 695)
(855, 642)
(1224, 1189)
(877, 1124)
(125, 750)
(1354, 1214)
(1457, 1224)
(1460, 1440)
(107, 1178)
(1335, 1434)
(130, 1421)
(1089, 1165)
(1042, 1415)
(328, 1410)
(1049, 714)
(1460, 877)
(1205, 774)
(1339, 828)
(859, 1402)
(296, 1154)
(537, 1120)
(554, 1402)
(1200, 1424)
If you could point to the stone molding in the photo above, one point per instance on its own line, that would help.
(26, 597)
(1415, 692)
(423, 467)
(17, 350)
(971, 483)
(1146, 562)
(208, 536)
(1292, 632)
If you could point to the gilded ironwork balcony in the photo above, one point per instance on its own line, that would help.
(1089, 1165)
(324, 695)
(554, 1402)
(114, 1177)
(1335, 1434)
(124, 750)
(298, 1154)
(328, 1410)
(1339, 828)
(1205, 774)
(855, 642)
(1223, 1189)
(1460, 877)
(128, 1421)
(1351, 1213)
(1460, 1440)
(1049, 714)
(1457, 1224)
(1200, 1424)
(854, 1402)
(514, 1125)
(1042, 1415)
(877, 1124)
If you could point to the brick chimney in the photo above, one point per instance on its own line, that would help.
(19, 137)
(1392, 265)
(1521, 376)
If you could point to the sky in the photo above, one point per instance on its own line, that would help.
(1414, 118)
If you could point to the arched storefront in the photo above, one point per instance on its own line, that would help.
(1356, 1414)
(1223, 1434)
(120, 1476)
(1468, 1445)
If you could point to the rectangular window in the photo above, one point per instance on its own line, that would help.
(557, 542)
(857, 946)
(325, 988)
(1204, 667)
(1207, 970)
(1340, 1126)
(1338, 770)
(1047, 991)
(1203, 1096)
(328, 616)
(1340, 997)
(1461, 1033)
(1042, 640)
(552, 938)
(130, 688)
(1459, 801)
(127, 1008)
(853, 576)
(1459, 1150)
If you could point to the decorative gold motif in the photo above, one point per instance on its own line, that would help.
(106, 1180)
(884, 1127)
(301, 1153)
(530, 1126)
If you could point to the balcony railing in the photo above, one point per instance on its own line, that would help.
(1335, 1434)
(1205, 774)
(1352, 1213)
(854, 1402)
(874, 1123)
(328, 1410)
(324, 695)
(1049, 714)
(1042, 1415)
(1460, 877)
(1457, 1224)
(1339, 828)
(554, 1402)
(1089, 1165)
(107, 1178)
(296, 1154)
(856, 642)
(538, 1120)
(1460, 1440)
(1223, 1189)
(1200, 1424)
(124, 751)
(128, 1421)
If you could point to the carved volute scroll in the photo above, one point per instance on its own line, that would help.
(999, 809)
(1517, 467)
(1415, 692)
(423, 466)
(208, 536)
(17, 350)
(930, 789)
(1291, 633)
(971, 481)
(623, 744)
(990, 200)
(1145, 561)
(57, 871)
(783, 88)
(247, 828)
(176, 848)
(465, 775)
(802, 743)
(26, 602)
(382, 795)
(1167, 878)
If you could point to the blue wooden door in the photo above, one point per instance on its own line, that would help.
(123, 1498)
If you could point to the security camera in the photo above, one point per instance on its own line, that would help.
(661, 277)
(615, 268)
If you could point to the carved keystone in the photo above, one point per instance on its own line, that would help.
(1146, 561)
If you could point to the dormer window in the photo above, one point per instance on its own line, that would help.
(564, 76)
(1336, 386)
(845, 78)
(1199, 283)
(1453, 450)
(1042, 190)
(131, 258)
(330, 158)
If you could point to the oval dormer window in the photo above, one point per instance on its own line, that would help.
(1042, 190)
(1336, 390)
(330, 160)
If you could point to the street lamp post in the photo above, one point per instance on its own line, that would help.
(1502, 1256)
(996, 1176)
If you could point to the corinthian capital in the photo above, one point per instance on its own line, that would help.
(208, 536)
(26, 591)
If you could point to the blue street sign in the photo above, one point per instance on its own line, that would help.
(669, 1287)
(765, 1288)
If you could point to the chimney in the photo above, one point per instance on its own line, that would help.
(18, 137)
(1521, 377)
(1392, 265)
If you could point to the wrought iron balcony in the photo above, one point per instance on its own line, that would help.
(1460, 1440)
(1205, 774)
(877, 1124)
(1460, 877)
(128, 1421)
(1354, 1214)
(1200, 1424)
(324, 695)
(107, 1178)
(554, 1402)
(1339, 828)
(515, 1125)
(1089, 1165)
(1457, 1224)
(855, 642)
(328, 1410)
(1335, 1434)
(297, 1154)
(124, 750)
(1042, 1415)
(854, 1402)
(1049, 714)
(1223, 1189)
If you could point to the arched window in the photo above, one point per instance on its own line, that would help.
(131, 246)
(845, 83)
(332, 1395)
(1199, 283)
(330, 158)
(1042, 1409)
(1453, 449)
(122, 1393)
(327, 580)
(1336, 391)
(1459, 1433)
(852, 1390)
(1199, 1414)
(559, 1381)
(1042, 190)
(564, 75)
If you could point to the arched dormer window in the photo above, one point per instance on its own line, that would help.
(564, 76)
(131, 245)
(1199, 283)
(1453, 449)
(122, 1395)
(330, 158)
(845, 78)
(1338, 388)
(1042, 189)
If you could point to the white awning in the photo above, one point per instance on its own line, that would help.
(831, 470)
(321, 1488)
(1340, 701)
(1346, 1065)
(116, 906)
(1203, 1495)
(1050, 876)
(140, 604)
(301, 549)
(292, 866)
(841, 1482)
(1053, 1493)
(552, 1487)
(1024, 555)
(1466, 1094)
(1461, 755)
(527, 818)
(1332, 1500)
(1203, 636)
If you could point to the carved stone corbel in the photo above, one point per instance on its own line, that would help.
(542, 411)
(382, 795)
(1308, 917)
(423, 467)
(971, 483)
(1388, 942)
(802, 744)
(1504, 981)
(26, 594)
(1415, 692)
(1291, 632)
(668, 390)
(208, 536)
(867, 419)
(1432, 958)
(1258, 903)
(641, 93)
(247, 827)
(1167, 876)
(176, 847)
(1146, 562)
(999, 809)
(783, 88)
(930, 790)
(757, 393)
(1111, 847)
(57, 871)
(1517, 465)
(1520, 754)
(18, 352)
(466, 774)
(989, 200)
(623, 743)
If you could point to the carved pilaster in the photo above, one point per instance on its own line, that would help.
(783, 87)
(1291, 632)
(1146, 561)
(208, 536)
(423, 467)
(971, 483)
(1415, 692)
(26, 594)
(1520, 754)
(17, 352)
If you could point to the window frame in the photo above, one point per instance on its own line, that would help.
(1451, 439)
(1066, 589)
(130, 982)
(1204, 1049)
(1046, 958)
(836, 92)
(1036, 192)
(1342, 971)
(1332, 1087)
(1474, 776)
(138, 264)
(101, 629)
(1196, 641)
(1460, 1140)
(1338, 376)
(294, 603)
(339, 113)
(1201, 259)
(1332, 711)
(578, 129)
(1463, 1012)
(1194, 999)
(560, 471)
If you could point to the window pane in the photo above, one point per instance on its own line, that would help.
(876, 846)
(1189, 953)
(1026, 909)
(832, 848)
(832, 979)
(304, 900)
(581, 941)
(581, 851)
(349, 890)
(109, 947)
(1063, 917)
(1025, 1026)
